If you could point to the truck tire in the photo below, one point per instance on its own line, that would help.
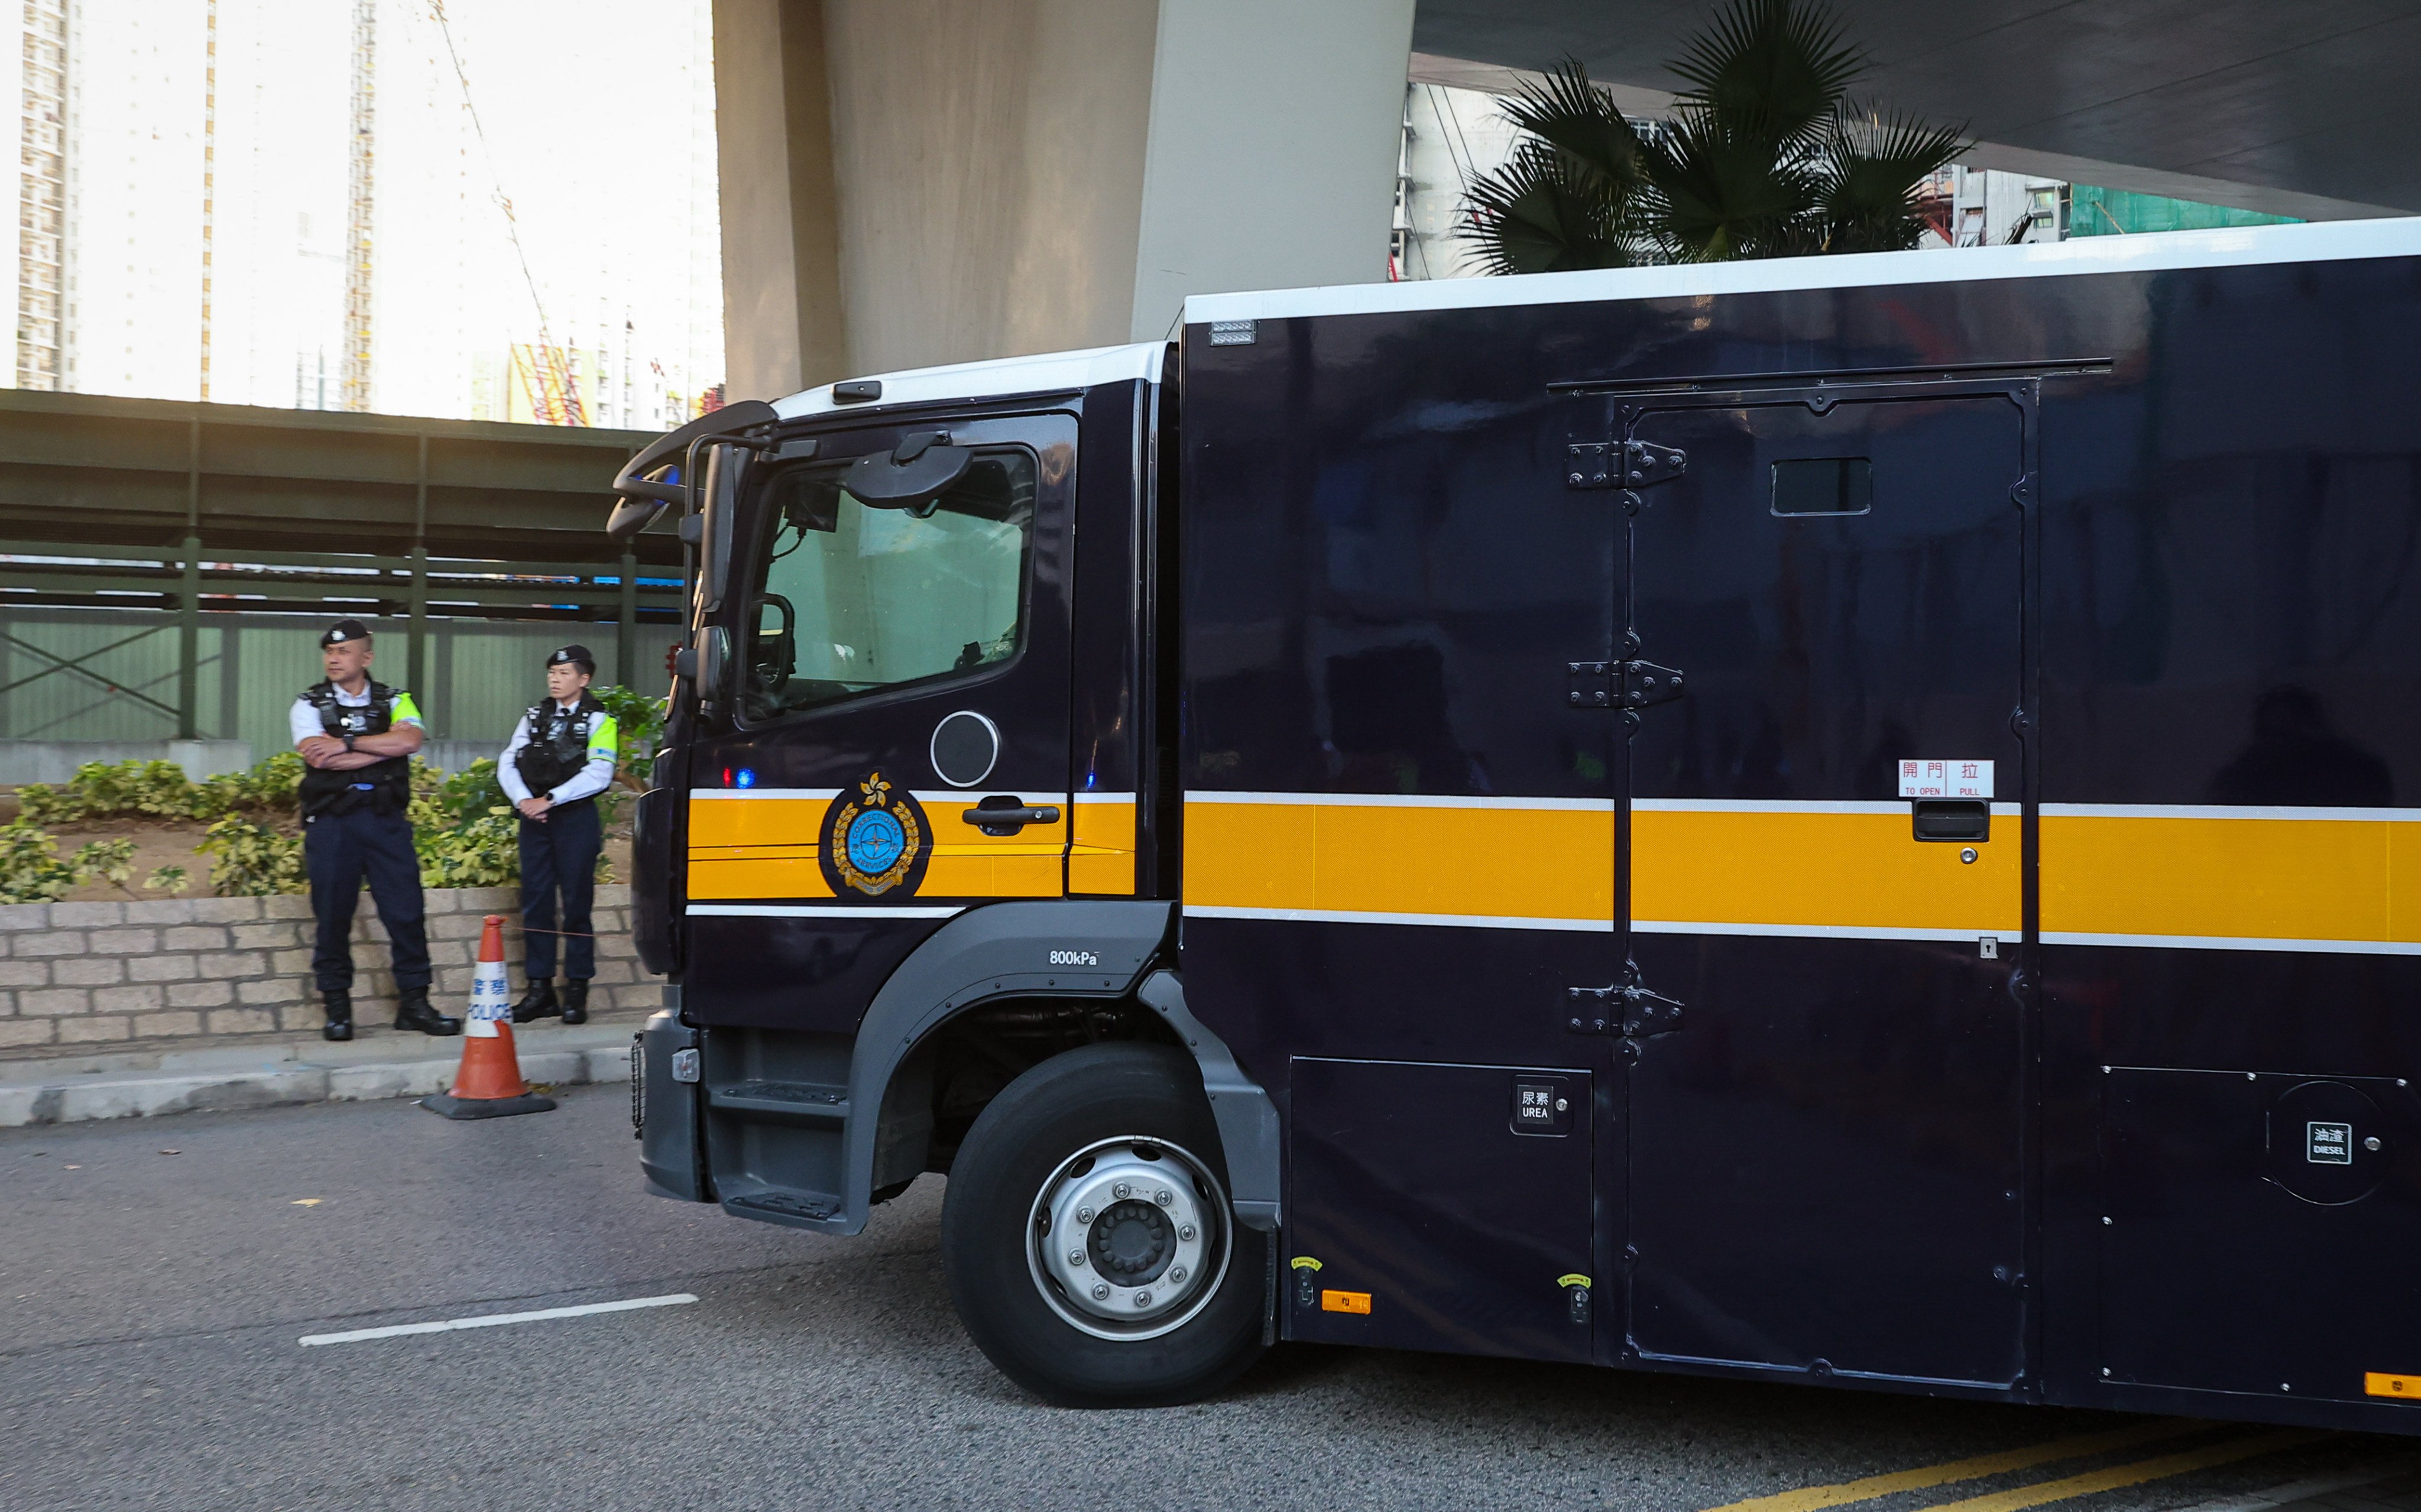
(1087, 1238)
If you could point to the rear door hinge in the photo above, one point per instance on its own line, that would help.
(1624, 1008)
(1632, 684)
(1622, 465)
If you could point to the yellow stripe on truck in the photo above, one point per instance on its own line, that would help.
(2254, 879)
(2242, 878)
(1858, 871)
(1496, 860)
(1101, 858)
(750, 848)
(1729, 865)
(2343, 876)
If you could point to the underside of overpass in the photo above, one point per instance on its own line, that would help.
(90, 469)
(2304, 109)
(906, 183)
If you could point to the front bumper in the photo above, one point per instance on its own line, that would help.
(663, 1107)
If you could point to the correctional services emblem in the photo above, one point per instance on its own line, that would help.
(876, 840)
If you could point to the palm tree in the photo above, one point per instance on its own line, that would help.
(1765, 156)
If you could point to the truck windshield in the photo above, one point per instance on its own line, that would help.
(851, 599)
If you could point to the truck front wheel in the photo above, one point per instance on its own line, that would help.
(1087, 1238)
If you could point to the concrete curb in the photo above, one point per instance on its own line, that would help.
(33, 1093)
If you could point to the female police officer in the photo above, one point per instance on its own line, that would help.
(563, 755)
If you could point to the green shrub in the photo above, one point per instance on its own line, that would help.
(463, 798)
(30, 868)
(269, 787)
(40, 803)
(641, 722)
(464, 830)
(112, 861)
(252, 860)
(484, 852)
(159, 789)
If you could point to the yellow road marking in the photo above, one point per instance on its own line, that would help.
(2075, 1447)
(2135, 1474)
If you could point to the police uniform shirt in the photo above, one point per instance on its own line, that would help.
(594, 777)
(303, 720)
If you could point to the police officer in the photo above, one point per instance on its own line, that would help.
(562, 756)
(357, 738)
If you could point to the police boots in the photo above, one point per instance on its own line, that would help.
(340, 1016)
(575, 1000)
(539, 1003)
(412, 1011)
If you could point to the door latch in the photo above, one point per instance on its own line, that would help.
(1002, 816)
(1632, 684)
(1624, 1008)
(1624, 465)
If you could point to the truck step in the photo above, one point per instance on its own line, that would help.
(804, 1102)
(782, 1204)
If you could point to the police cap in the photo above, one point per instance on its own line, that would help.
(343, 632)
(577, 655)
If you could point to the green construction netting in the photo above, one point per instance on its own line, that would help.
(2096, 211)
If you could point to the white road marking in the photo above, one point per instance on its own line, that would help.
(496, 1320)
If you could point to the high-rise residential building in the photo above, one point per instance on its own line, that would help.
(351, 204)
(41, 196)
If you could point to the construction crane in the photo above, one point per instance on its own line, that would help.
(543, 368)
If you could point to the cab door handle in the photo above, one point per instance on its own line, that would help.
(1008, 818)
(1952, 820)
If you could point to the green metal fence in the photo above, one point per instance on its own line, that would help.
(101, 643)
(165, 568)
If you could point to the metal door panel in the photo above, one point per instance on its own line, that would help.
(2242, 1249)
(1826, 1155)
(1411, 1188)
(767, 794)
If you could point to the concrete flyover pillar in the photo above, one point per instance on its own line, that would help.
(907, 182)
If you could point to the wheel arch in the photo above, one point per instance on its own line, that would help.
(1004, 955)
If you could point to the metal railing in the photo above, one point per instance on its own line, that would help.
(187, 584)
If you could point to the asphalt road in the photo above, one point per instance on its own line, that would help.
(148, 1357)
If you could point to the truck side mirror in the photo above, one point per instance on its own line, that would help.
(717, 476)
(641, 494)
(705, 662)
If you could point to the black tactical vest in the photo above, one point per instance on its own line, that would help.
(385, 786)
(558, 745)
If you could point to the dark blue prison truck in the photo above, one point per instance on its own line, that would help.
(1842, 819)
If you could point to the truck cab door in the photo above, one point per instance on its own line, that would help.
(892, 745)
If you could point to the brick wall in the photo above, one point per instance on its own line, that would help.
(94, 973)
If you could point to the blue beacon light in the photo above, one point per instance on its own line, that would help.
(748, 778)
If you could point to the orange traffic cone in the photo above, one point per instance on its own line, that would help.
(489, 1084)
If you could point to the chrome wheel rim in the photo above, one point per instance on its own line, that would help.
(1128, 1237)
